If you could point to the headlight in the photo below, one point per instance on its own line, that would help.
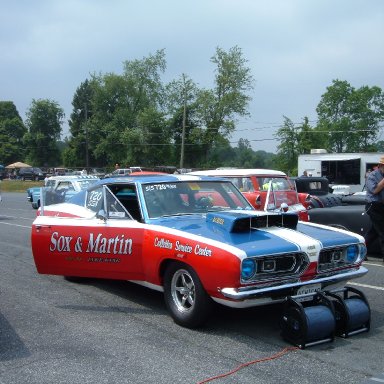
(363, 251)
(248, 269)
(352, 253)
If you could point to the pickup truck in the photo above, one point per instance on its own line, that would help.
(62, 188)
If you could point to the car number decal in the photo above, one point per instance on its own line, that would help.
(159, 187)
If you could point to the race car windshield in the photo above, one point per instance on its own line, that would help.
(191, 197)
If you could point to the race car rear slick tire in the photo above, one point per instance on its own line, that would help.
(185, 297)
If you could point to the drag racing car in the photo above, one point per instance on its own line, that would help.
(195, 238)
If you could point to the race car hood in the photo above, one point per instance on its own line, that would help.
(258, 233)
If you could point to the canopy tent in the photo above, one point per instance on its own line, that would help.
(18, 164)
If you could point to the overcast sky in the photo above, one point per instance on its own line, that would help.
(295, 48)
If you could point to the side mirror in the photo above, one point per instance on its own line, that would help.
(284, 207)
(101, 215)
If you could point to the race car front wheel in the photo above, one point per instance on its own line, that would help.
(185, 297)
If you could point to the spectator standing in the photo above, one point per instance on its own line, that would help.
(375, 205)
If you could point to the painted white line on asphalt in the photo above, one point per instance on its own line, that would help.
(381, 265)
(17, 217)
(366, 286)
(377, 380)
(16, 225)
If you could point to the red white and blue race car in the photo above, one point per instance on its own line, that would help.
(195, 238)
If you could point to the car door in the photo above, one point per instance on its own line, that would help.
(97, 240)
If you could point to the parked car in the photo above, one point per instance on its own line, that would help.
(2, 172)
(166, 169)
(337, 210)
(30, 192)
(265, 189)
(349, 214)
(123, 172)
(98, 172)
(31, 173)
(197, 239)
(60, 188)
(317, 191)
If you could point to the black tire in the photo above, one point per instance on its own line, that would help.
(185, 297)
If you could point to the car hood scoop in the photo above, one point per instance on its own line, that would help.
(235, 221)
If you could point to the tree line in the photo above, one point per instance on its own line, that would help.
(134, 118)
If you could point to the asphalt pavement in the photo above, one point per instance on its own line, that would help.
(100, 331)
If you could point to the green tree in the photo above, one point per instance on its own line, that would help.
(181, 95)
(44, 121)
(380, 146)
(245, 157)
(333, 113)
(264, 159)
(156, 136)
(219, 107)
(349, 117)
(296, 139)
(118, 104)
(288, 148)
(306, 138)
(220, 154)
(127, 112)
(367, 112)
(77, 153)
(12, 131)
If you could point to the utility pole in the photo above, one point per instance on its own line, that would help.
(184, 122)
(183, 135)
(86, 137)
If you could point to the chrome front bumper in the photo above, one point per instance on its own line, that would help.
(279, 292)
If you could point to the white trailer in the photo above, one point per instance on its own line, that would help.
(347, 169)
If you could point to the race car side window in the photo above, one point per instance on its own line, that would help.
(114, 208)
(127, 195)
(94, 200)
(102, 199)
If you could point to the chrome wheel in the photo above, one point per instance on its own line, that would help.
(183, 290)
(185, 296)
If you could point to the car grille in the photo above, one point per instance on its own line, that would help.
(277, 267)
(331, 258)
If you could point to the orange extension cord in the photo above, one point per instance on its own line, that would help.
(275, 356)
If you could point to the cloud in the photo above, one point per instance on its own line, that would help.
(295, 48)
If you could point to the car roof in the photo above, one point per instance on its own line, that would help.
(239, 172)
(73, 177)
(155, 178)
(147, 173)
